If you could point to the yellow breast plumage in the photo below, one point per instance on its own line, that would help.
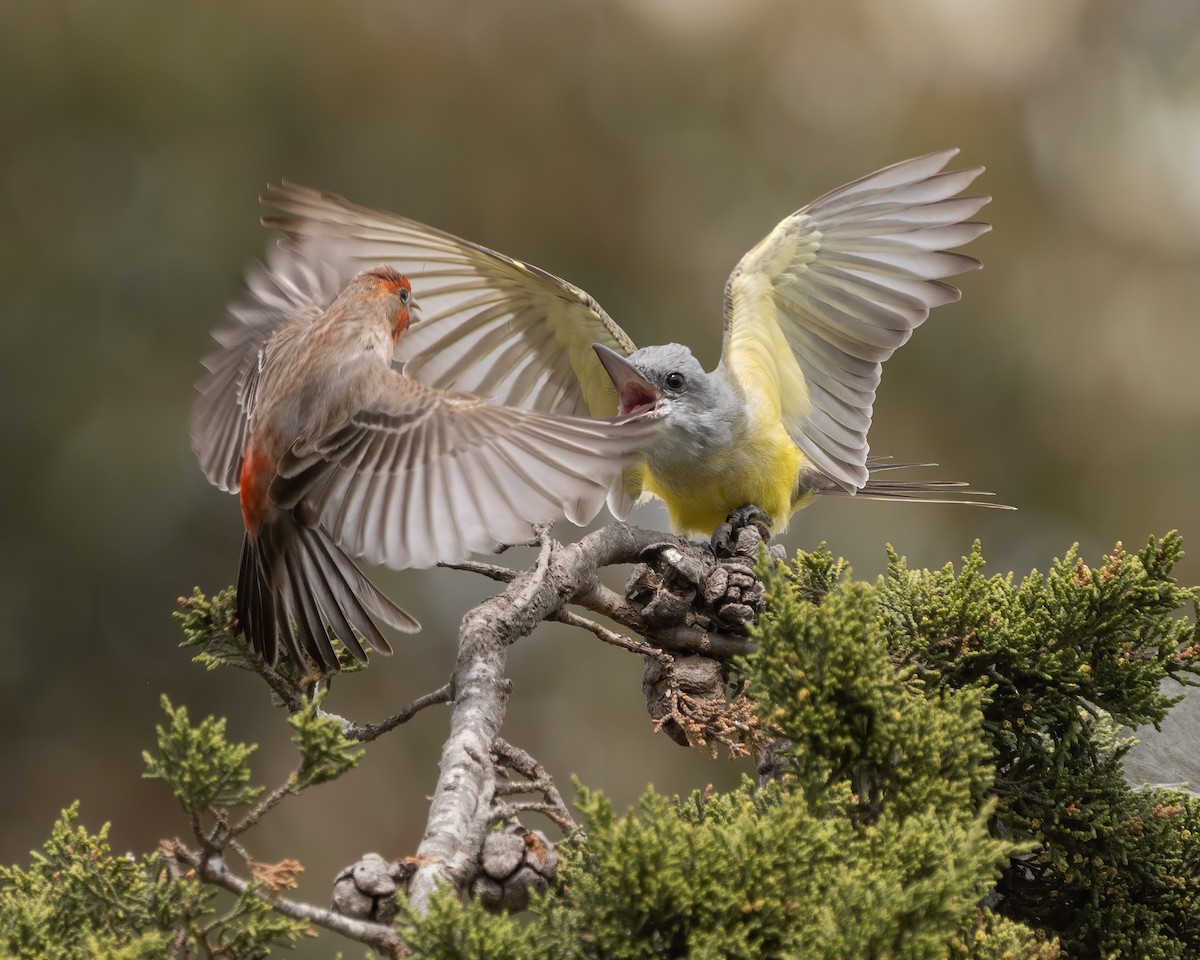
(760, 468)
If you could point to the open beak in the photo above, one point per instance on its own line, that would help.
(635, 394)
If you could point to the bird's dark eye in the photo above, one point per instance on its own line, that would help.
(404, 295)
(675, 381)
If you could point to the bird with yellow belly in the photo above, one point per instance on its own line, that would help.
(810, 315)
(720, 447)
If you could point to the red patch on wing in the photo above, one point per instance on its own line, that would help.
(636, 396)
(257, 471)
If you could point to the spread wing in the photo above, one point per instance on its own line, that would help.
(422, 476)
(813, 311)
(488, 324)
(220, 416)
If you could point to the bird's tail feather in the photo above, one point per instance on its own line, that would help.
(293, 574)
(914, 491)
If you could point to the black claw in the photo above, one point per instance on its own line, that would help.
(748, 514)
(721, 541)
(728, 540)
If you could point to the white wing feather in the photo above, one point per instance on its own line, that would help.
(422, 477)
(488, 324)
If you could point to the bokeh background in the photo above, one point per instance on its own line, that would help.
(637, 148)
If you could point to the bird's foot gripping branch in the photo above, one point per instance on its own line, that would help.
(944, 747)
(716, 589)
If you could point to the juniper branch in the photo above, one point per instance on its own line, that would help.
(611, 636)
(213, 870)
(492, 571)
(459, 814)
(367, 732)
(537, 778)
(601, 599)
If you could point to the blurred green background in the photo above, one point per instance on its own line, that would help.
(637, 148)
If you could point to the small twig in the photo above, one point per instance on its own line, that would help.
(212, 869)
(263, 806)
(366, 732)
(198, 830)
(538, 575)
(280, 686)
(513, 788)
(612, 637)
(539, 530)
(492, 571)
(242, 852)
(520, 761)
(510, 811)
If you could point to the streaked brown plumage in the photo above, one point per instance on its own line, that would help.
(334, 453)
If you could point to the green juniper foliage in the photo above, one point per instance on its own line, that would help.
(752, 873)
(205, 771)
(210, 623)
(1061, 661)
(202, 767)
(77, 899)
(858, 724)
(951, 788)
(325, 752)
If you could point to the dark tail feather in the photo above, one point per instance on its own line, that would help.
(914, 491)
(363, 590)
(310, 626)
(291, 574)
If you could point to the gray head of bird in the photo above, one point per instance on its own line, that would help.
(669, 379)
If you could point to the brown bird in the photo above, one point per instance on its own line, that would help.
(334, 453)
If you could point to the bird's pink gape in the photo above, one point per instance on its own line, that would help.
(636, 397)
